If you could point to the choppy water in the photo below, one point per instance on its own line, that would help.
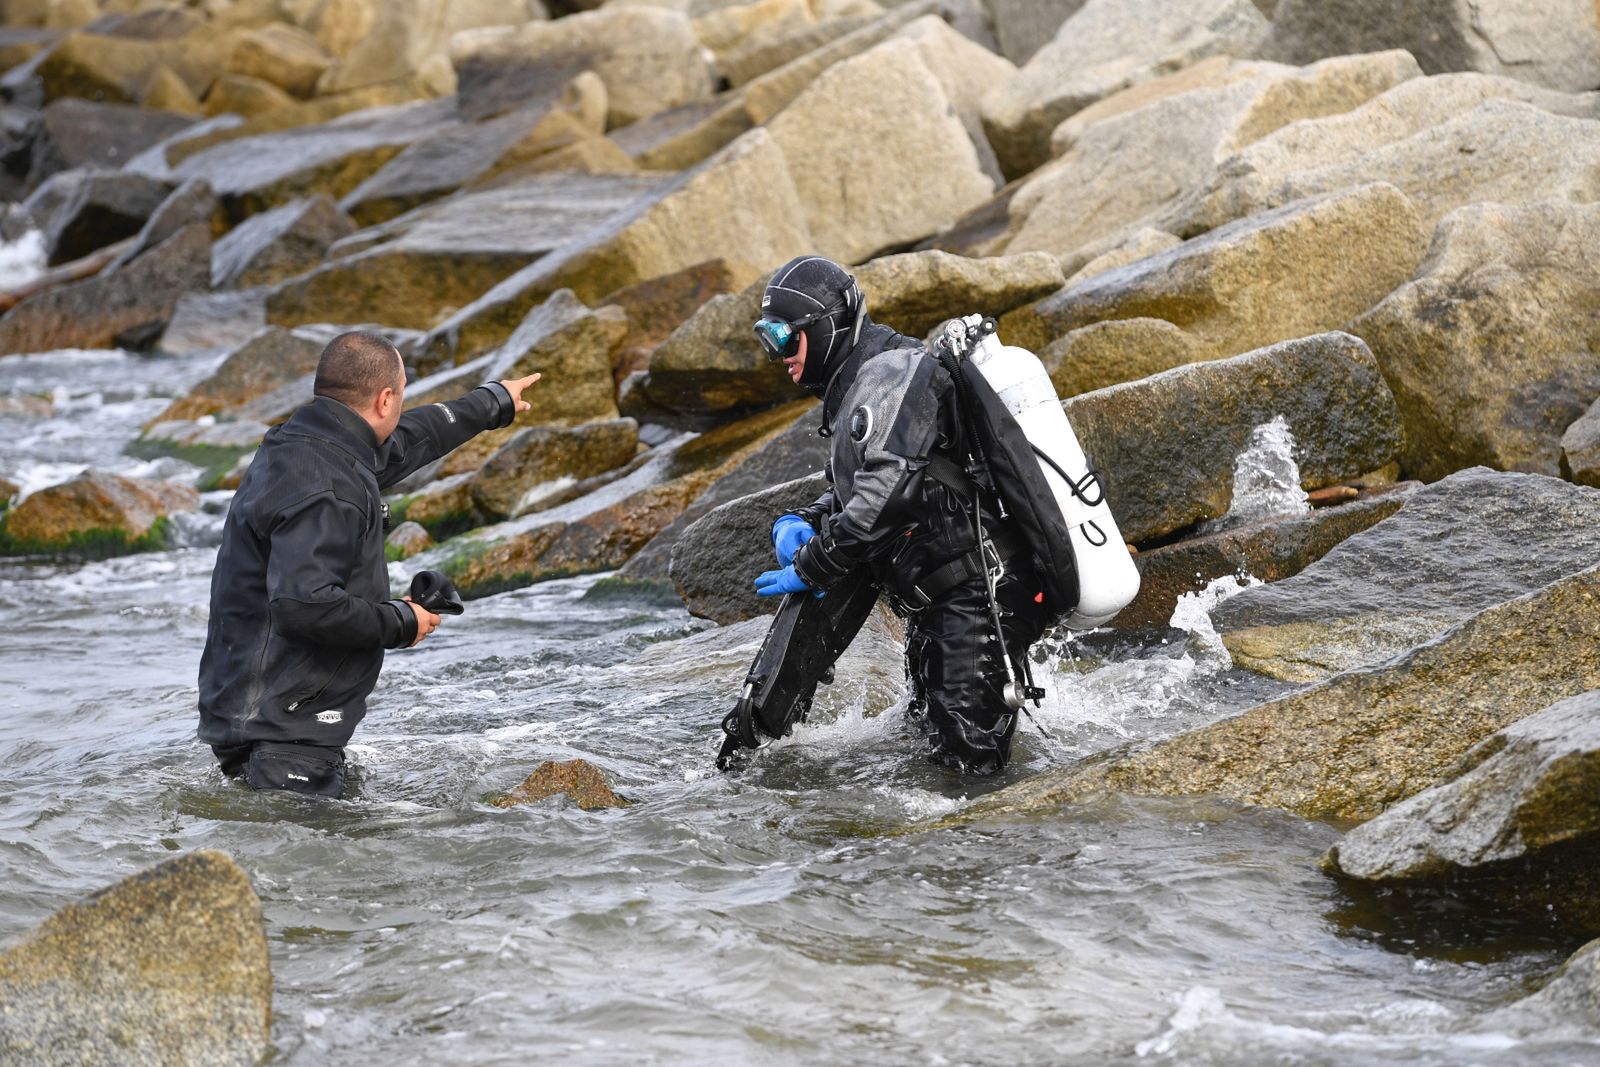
(769, 917)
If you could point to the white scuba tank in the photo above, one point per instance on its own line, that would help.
(1107, 578)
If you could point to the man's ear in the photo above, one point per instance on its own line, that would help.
(385, 402)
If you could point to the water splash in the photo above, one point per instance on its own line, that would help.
(1266, 479)
(22, 260)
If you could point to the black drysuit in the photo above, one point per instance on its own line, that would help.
(300, 607)
(890, 408)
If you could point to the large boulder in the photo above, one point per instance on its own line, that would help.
(443, 256)
(282, 55)
(1167, 443)
(238, 94)
(1493, 350)
(255, 173)
(685, 222)
(457, 156)
(81, 133)
(540, 460)
(794, 451)
(94, 515)
(93, 313)
(883, 105)
(278, 244)
(118, 66)
(1459, 546)
(1247, 284)
(79, 211)
(213, 322)
(167, 966)
(1108, 353)
(1270, 550)
(189, 204)
(1527, 788)
(1423, 137)
(715, 561)
(1554, 43)
(917, 291)
(1107, 46)
(1022, 27)
(271, 358)
(648, 58)
(767, 48)
(657, 306)
(1580, 449)
(1120, 165)
(407, 40)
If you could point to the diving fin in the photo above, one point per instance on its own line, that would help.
(806, 636)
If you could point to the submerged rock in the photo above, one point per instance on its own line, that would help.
(95, 312)
(578, 779)
(168, 966)
(1503, 321)
(95, 515)
(1531, 786)
(1457, 547)
(1167, 443)
(1361, 741)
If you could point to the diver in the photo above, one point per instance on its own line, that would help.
(900, 505)
(300, 606)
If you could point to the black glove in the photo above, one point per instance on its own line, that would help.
(432, 590)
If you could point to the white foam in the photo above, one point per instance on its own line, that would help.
(22, 260)
(1266, 478)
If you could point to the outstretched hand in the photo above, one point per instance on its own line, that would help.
(515, 386)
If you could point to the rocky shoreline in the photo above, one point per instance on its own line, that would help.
(1381, 230)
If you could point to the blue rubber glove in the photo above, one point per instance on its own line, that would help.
(776, 583)
(788, 534)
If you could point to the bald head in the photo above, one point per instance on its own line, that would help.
(356, 367)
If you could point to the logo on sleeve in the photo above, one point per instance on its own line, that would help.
(448, 414)
(860, 424)
(331, 716)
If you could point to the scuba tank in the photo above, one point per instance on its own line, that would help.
(1039, 473)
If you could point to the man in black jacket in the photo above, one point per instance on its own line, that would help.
(897, 505)
(300, 606)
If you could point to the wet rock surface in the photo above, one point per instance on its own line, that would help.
(538, 460)
(80, 211)
(271, 358)
(95, 515)
(167, 966)
(1580, 449)
(1457, 547)
(577, 779)
(278, 244)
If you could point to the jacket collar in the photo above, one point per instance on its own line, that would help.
(875, 338)
(329, 420)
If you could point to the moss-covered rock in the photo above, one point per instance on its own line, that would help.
(94, 515)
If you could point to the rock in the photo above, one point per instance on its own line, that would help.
(647, 57)
(213, 322)
(271, 358)
(678, 225)
(94, 515)
(1554, 43)
(19, 44)
(8, 490)
(94, 312)
(761, 53)
(789, 448)
(1270, 550)
(255, 173)
(1022, 27)
(165, 91)
(1426, 139)
(658, 306)
(715, 561)
(917, 291)
(406, 40)
(285, 56)
(1246, 284)
(1107, 46)
(169, 966)
(539, 460)
(884, 104)
(406, 540)
(458, 156)
(578, 779)
(1146, 241)
(239, 95)
(116, 69)
(81, 211)
(1108, 353)
(444, 256)
(1580, 449)
(444, 508)
(279, 244)
(1523, 790)
(1459, 546)
(23, 405)
(1126, 158)
(1565, 1004)
(200, 440)
(1167, 443)
(79, 133)
(191, 203)
(1367, 739)
(340, 25)
(1503, 321)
